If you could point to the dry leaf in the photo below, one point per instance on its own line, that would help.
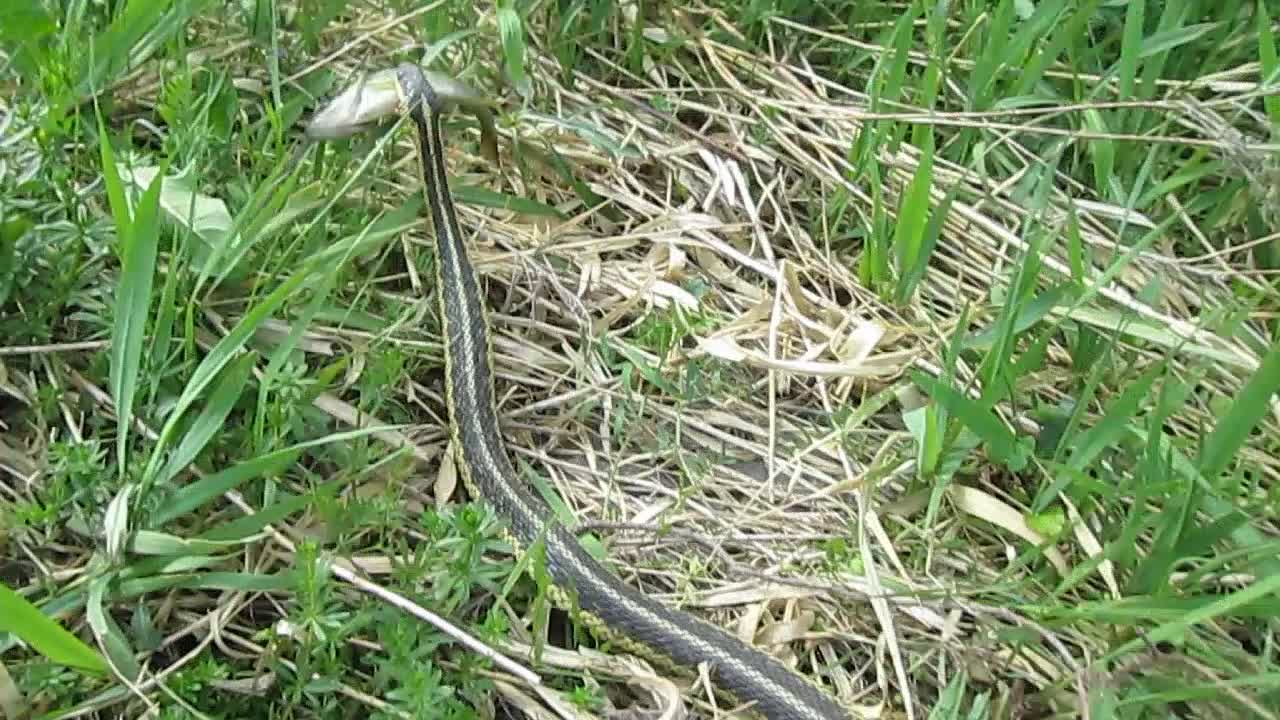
(447, 477)
(247, 686)
(981, 504)
(753, 593)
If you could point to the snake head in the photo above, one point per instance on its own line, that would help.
(376, 97)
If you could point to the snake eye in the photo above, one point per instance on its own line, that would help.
(362, 105)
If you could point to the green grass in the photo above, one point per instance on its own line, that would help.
(996, 334)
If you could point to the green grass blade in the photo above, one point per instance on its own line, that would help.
(326, 261)
(984, 423)
(108, 632)
(47, 637)
(1228, 606)
(10, 230)
(873, 263)
(1142, 609)
(913, 275)
(1270, 64)
(1065, 32)
(1131, 46)
(211, 419)
(1171, 526)
(211, 581)
(25, 31)
(1116, 421)
(140, 30)
(137, 237)
(511, 30)
(150, 542)
(993, 56)
(228, 241)
(898, 60)
(1163, 42)
(1233, 429)
(289, 504)
(438, 48)
(484, 197)
(913, 219)
(204, 218)
(1103, 152)
(207, 489)
(1028, 315)
(1210, 691)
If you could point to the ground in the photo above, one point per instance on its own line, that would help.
(929, 346)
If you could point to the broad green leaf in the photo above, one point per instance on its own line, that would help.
(202, 216)
(44, 635)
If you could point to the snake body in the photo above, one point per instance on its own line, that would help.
(608, 607)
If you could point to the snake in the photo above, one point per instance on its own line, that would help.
(580, 584)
